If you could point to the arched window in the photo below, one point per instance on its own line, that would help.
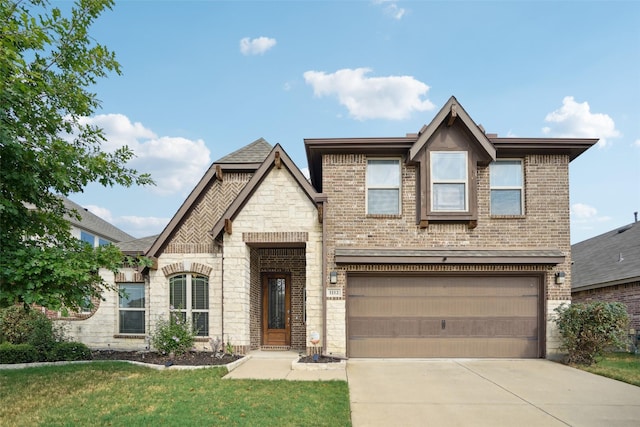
(189, 295)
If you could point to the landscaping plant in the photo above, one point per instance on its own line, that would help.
(173, 336)
(588, 329)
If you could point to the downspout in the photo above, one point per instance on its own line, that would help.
(221, 246)
(324, 279)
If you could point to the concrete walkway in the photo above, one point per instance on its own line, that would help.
(279, 365)
(481, 392)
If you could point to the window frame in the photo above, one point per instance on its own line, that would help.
(188, 298)
(143, 309)
(397, 187)
(521, 188)
(433, 182)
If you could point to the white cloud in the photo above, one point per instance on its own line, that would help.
(637, 143)
(142, 226)
(103, 213)
(175, 163)
(256, 46)
(584, 216)
(575, 120)
(391, 8)
(392, 97)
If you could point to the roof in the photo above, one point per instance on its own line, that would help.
(608, 259)
(450, 111)
(137, 246)
(94, 223)
(449, 256)
(255, 152)
(248, 159)
(276, 158)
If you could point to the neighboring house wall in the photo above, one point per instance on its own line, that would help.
(628, 294)
(545, 224)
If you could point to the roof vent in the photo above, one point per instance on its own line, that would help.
(620, 258)
(625, 228)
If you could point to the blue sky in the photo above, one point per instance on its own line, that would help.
(201, 79)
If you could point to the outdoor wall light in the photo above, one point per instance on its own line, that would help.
(560, 277)
(333, 277)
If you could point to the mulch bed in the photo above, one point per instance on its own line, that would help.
(318, 359)
(191, 358)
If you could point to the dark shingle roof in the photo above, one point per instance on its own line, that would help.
(255, 152)
(610, 258)
(95, 224)
(137, 246)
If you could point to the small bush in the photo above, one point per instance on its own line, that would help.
(17, 353)
(588, 329)
(70, 351)
(20, 325)
(173, 336)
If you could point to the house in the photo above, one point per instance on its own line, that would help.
(607, 268)
(449, 242)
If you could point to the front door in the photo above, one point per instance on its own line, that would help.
(276, 310)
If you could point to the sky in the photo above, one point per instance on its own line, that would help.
(201, 79)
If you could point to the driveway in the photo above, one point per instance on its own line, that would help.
(485, 392)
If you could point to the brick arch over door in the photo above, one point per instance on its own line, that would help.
(186, 267)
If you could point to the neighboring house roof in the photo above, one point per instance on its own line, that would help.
(94, 223)
(608, 259)
(248, 158)
(137, 246)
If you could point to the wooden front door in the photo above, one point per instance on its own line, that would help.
(276, 310)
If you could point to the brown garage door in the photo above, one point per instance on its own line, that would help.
(436, 316)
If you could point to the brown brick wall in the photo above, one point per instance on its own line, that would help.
(193, 235)
(545, 223)
(628, 294)
(281, 260)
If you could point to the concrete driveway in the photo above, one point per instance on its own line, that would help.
(483, 392)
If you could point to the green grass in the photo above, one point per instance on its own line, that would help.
(619, 366)
(117, 393)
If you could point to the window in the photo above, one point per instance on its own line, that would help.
(449, 181)
(132, 305)
(383, 187)
(506, 187)
(103, 242)
(189, 295)
(87, 237)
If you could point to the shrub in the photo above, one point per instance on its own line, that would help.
(70, 351)
(20, 325)
(173, 336)
(588, 329)
(17, 353)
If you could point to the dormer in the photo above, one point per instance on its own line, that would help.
(447, 154)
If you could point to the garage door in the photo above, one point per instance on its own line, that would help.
(436, 316)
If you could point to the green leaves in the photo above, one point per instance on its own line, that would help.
(48, 61)
(587, 330)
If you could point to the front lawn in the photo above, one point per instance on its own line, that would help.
(118, 393)
(619, 366)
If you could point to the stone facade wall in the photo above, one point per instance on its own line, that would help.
(544, 225)
(627, 293)
(277, 206)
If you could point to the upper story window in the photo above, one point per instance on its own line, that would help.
(87, 237)
(449, 181)
(103, 242)
(189, 295)
(383, 186)
(507, 187)
(131, 308)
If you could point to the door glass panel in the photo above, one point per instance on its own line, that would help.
(276, 315)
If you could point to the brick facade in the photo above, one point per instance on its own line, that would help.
(628, 294)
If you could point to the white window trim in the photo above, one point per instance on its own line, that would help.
(450, 181)
(143, 309)
(386, 187)
(189, 300)
(508, 187)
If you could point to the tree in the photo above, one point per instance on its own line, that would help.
(48, 64)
